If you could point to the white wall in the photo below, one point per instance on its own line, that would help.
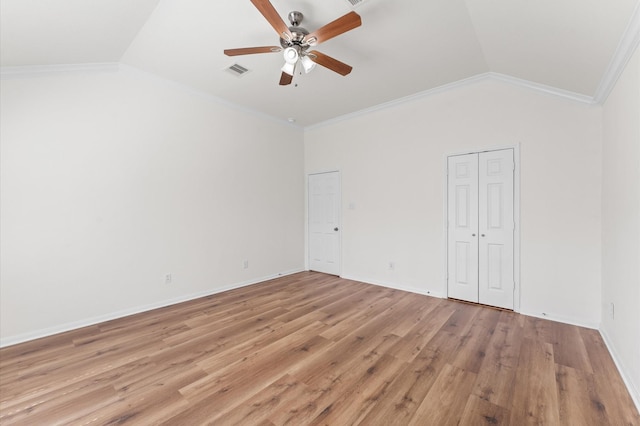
(621, 224)
(110, 180)
(392, 164)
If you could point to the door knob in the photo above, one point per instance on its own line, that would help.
(482, 235)
(473, 235)
(335, 229)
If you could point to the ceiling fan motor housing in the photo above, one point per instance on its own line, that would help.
(297, 33)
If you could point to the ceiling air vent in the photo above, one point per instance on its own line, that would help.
(355, 3)
(237, 70)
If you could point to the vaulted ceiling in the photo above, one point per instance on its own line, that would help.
(403, 46)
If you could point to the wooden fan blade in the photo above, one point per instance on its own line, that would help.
(285, 79)
(341, 25)
(329, 62)
(252, 50)
(271, 14)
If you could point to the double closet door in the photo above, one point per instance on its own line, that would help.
(480, 227)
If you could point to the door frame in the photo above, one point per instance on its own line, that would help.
(306, 216)
(516, 217)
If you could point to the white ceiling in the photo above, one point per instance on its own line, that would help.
(403, 46)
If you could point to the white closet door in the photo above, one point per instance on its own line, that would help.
(462, 234)
(480, 231)
(324, 223)
(496, 228)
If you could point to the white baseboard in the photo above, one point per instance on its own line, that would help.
(551, 317)
(561, 318)
(394, 286)
(50, 331)
(634, 388)
(441, 295)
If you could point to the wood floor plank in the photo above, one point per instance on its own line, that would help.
(316, 349)
(497, 373)
(418, 310)
(224, 389)
(328, 384)
(415, 339)
(618, 404)
(59, 408)
(362, 393)
(346, 326)
(410, 387)
(504, 345)
(496, 384)
(535, 399)
(462, 317)
(578, 403)
(343, 309)
(306, 407)
(568, 346)
(363, 343)
(18, 357)
(82, 364)
(146, 397)
(277, 396)
(445, 402)
(479, 411)
(264, 338)
(471, 352)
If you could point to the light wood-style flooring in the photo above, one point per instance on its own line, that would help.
(312, 349)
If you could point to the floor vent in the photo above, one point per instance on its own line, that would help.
(237, 70)
(355, 3)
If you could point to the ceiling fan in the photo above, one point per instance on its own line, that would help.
(295, 41)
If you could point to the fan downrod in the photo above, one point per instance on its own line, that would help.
(295, 18)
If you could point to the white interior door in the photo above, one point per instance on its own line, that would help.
(481, 228)
(463, 227)
(324, 222)
(496, 227)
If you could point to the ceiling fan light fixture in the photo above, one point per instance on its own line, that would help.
(307, 64)
(289, 68)
(291, 55)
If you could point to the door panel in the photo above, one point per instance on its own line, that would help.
(495, 267)
(462, 262)
(324, 223)
(462, 227)
(496, 227)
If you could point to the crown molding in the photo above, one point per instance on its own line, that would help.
(542, 88)
(488, 76)
(627, 46)
(39, 70)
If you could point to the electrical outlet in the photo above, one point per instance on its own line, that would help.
(245, 264)
(168, 279)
